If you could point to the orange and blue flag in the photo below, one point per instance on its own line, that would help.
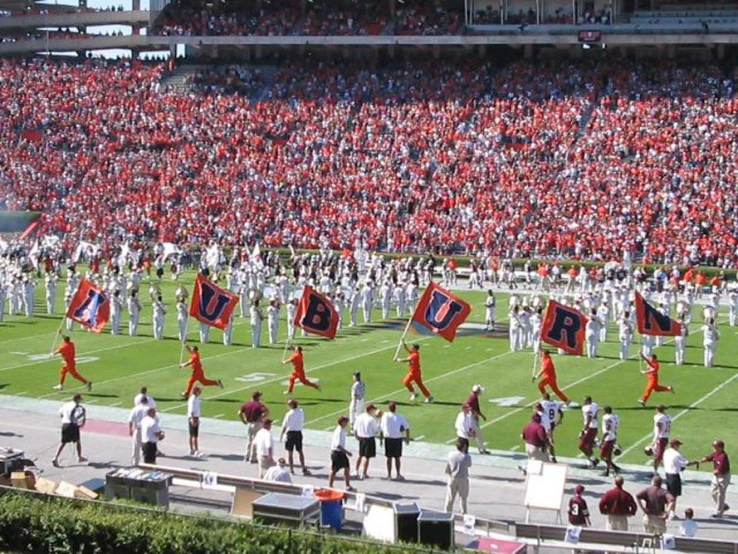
(211, 304)
(441, 312)
(90, 306)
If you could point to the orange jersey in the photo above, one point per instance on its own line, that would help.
(195, 362)
(297, 362)
(413, 361)
(548, 371)
(67, 352)
(655, 367)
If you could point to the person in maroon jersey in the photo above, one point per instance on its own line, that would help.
(578, 510)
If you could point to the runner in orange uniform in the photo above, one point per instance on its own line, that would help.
(298, 371)
(66, 350)
(198, 374)
(414, 374)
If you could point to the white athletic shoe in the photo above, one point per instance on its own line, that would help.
(413, 396)
(58, 387)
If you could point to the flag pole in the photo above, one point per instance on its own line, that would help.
(536, 355)
(184, 342)
(58, 331)
(402, 338)
(284, 352)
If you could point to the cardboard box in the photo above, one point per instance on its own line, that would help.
(67, 490)
(45, 486)
(23, 480)
(84, 493)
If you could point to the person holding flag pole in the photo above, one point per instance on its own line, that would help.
(414, 374)
(298, 373)
(198, 374)
(67, 352)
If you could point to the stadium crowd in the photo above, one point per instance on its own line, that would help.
(544, 159)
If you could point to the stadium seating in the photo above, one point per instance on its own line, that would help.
(579, 160)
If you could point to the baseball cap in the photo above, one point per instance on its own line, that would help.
(675, 442)
(579, 489)
(477, 388)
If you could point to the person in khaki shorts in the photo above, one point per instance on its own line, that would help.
(656, 503)
(618, 505)
(536, 441)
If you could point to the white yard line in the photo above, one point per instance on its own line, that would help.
(693, 405)
(51, 358)
(432, 379)
(29, 337)
(276, 379)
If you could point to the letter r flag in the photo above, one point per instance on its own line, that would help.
(563, 327)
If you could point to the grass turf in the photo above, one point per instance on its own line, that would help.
(120, 365)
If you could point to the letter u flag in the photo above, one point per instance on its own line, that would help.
(211, 304)
(563, 327)
(441, 312)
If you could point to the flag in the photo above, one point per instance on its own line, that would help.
(441, 312)
(316, 314)
(85, 248)
(169, 249)
(90, 306)
(211, 304)
(652, 322)
(563, 327)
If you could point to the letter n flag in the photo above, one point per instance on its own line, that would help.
(441, 312)
(563, 327)
(211, 304)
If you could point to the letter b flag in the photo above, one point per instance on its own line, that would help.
(441, 311)
(316, 314)
(563, 327)
(211, 304)
(90, 306)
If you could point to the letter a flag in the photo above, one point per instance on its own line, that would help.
(90, 306)
(441, 312)
(211, 304)
(563, 327)
(316, 314)
(653, 322)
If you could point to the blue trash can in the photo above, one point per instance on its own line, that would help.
(331, 508)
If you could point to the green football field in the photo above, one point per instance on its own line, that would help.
(703, 405)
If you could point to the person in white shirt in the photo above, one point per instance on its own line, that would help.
(393, 430)
(182, 312)
(134, 313)
(366, 428)
(138, 412)
(661, 431)
(144, 393)
(358, 392)
(264, 444)
(516, 329)
(590, 414)
(625, 334)
(354, 308)
(291, 313)
(674, 464)
(193, 421)
(339, 454)
(278, 473)
(116, 307)
(367, 303)
(292, 425)
(73, 417)
(552, 415)
(51, 285)
(464, 424)
(256, 317)
(151, 434)
(680, 340)
(490, 307)
(610, 423)
(592, 334)
(159, 312)
(273, 320)
(709, 341)
(688, 527)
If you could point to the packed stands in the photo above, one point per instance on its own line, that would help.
(546, 158)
